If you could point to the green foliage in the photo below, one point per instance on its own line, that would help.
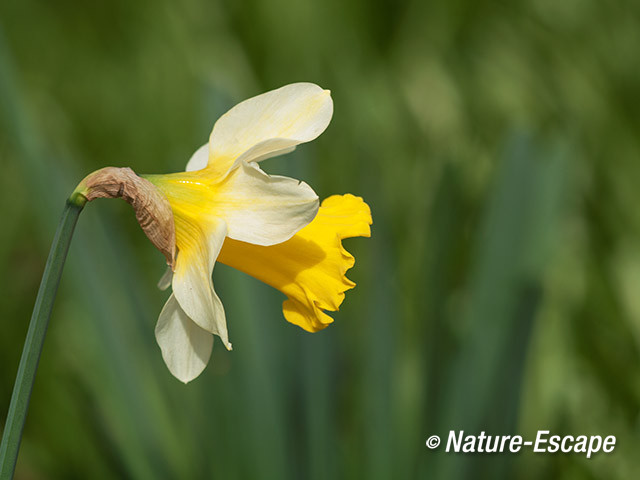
(497, 145)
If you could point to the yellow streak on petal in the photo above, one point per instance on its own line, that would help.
(192, 195)
(309, 268)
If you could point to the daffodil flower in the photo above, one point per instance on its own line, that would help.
(224, 207)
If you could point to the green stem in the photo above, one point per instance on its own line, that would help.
(35, 338)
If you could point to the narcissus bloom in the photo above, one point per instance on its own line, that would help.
(225, 208)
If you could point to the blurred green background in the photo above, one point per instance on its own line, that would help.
(498, 146)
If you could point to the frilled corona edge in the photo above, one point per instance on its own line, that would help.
(152, 208)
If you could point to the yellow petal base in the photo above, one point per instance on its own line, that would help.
(309, 268)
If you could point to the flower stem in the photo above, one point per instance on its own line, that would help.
(12, 434)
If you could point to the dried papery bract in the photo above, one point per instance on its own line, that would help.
(152, 208)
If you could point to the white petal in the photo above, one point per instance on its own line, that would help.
(165, 280)
(192, 284)
(270, 124)
(263, 209)
(186, 347)
(199, 159)
(255, 151)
